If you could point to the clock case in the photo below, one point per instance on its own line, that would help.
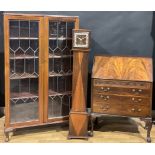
(78, 118)
(81, 31)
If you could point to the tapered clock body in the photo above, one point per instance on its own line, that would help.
(78, 121)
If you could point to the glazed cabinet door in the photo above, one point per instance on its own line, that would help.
(59, 62)
(23, 70)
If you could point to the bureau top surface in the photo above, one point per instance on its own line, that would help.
(123, 68)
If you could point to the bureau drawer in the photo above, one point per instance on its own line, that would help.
(132, 100)
(121, 109)
(122, 90)
(121, 83)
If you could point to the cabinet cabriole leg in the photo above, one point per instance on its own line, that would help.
(6, 138)
(7, 134)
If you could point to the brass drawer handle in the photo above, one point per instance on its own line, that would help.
(139, 110)
(136, 100)
(137, 90)
(104, 97)
(134, 110)
(105, 108)
(105, 89)
(133, 90)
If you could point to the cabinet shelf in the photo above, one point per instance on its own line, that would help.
(59, 56)
(59, 38)
(22, 76)
(23, 57)
(24, 38)
(23, 95)
(54, 93)
(51, 74)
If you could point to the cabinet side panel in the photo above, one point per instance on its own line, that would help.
(41, 69)
(7, 82)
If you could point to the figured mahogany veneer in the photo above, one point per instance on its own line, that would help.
(123, 68)
(123, 86)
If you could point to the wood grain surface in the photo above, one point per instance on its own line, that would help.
(123, 68)
(78, 124)
(80, 73)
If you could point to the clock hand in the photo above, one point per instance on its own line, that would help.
(80, 39)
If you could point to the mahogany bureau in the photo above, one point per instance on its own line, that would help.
(122, 86)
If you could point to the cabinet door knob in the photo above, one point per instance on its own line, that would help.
(140, 90)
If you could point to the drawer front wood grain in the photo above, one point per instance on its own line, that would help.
(120, 83)
(132, 100)
(121, 109)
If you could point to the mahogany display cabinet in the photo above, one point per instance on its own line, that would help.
(38, 69)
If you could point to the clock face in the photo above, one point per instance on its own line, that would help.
(81, 39)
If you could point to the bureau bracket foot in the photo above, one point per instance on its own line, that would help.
(148, 127)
